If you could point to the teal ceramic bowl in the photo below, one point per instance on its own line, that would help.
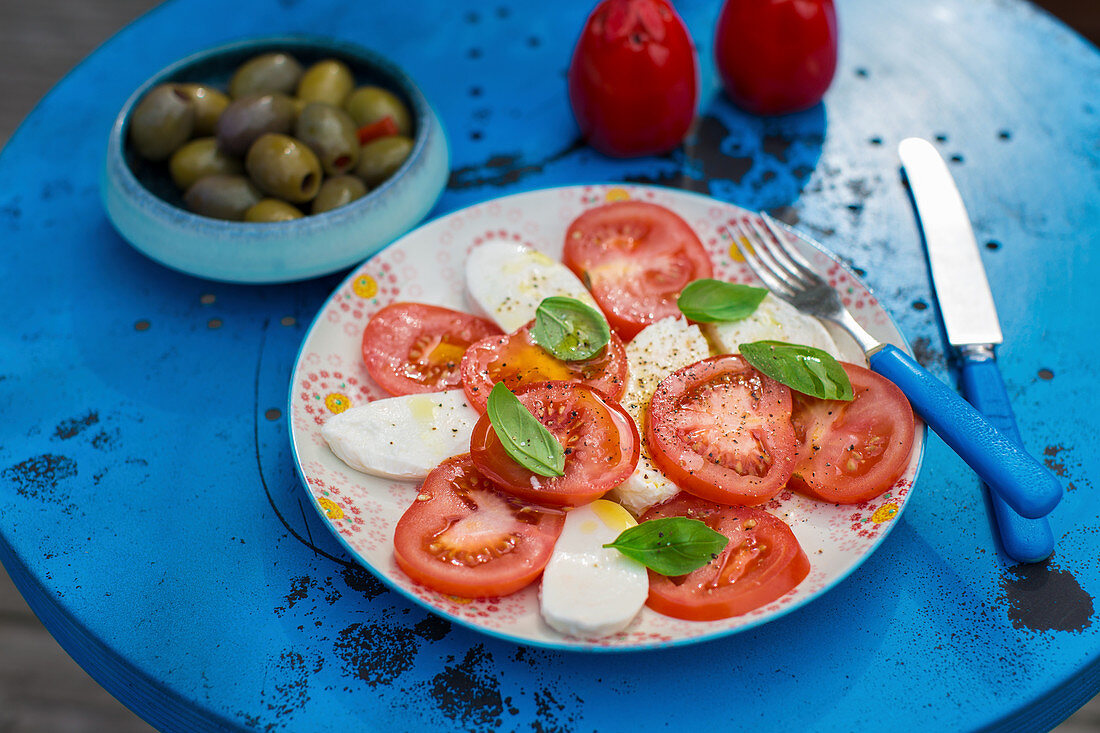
(147, 210)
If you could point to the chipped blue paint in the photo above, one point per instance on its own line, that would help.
(150, 512)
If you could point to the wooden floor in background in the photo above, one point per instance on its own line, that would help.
(41, 689)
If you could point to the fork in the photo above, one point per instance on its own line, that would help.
(1023, 482)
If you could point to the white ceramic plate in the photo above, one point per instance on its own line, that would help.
(426, 265)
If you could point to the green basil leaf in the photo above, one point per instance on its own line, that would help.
(525, 439)
(707, 301)
(806, 369)
(569, 329)
(671, 545)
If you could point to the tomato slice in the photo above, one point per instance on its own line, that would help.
(462, 536)
(850, 452)
(762, 561)
(411, 348)
(600, 441)
(635, 257)
(516, 360)
(722, 431)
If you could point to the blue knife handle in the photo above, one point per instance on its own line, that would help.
(1025, 540)
(1023, 482)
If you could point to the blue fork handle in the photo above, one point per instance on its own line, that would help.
(1025, 484)
(1023, 539)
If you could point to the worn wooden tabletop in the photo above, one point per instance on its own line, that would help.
(40, 688)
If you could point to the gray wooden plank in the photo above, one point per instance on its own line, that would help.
(1085, 720)
(12, 607)
(42, 690)
(41, 41)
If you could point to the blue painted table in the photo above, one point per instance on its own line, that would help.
(151, 515)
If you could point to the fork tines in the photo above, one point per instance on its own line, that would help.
(770, 255)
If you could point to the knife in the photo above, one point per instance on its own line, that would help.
(970, 320)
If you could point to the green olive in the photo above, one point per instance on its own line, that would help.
(162, 121)
(299, 105)
(222, 196)
(338, 191)
(245, 119)
(209, 104)
(326, 81)
(266, 74)
(284, 167)
(380, 158)
(200, 158)
(329, 133)
(271, 210)
(370, 104)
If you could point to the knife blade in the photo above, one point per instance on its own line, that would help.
(970, 321)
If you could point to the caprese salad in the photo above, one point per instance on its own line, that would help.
(612, 423)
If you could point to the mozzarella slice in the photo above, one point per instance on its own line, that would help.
(587, 589)
(507, 281)
(774, 320)
(402, 437)
(657, 351)
(646, 487)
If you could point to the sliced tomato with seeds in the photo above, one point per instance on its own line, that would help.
(517, 360)
(464, 537)
(850, 452)
(635, 257)
(600, 441)
(761, 563)
(722, 430)
(412, 348)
